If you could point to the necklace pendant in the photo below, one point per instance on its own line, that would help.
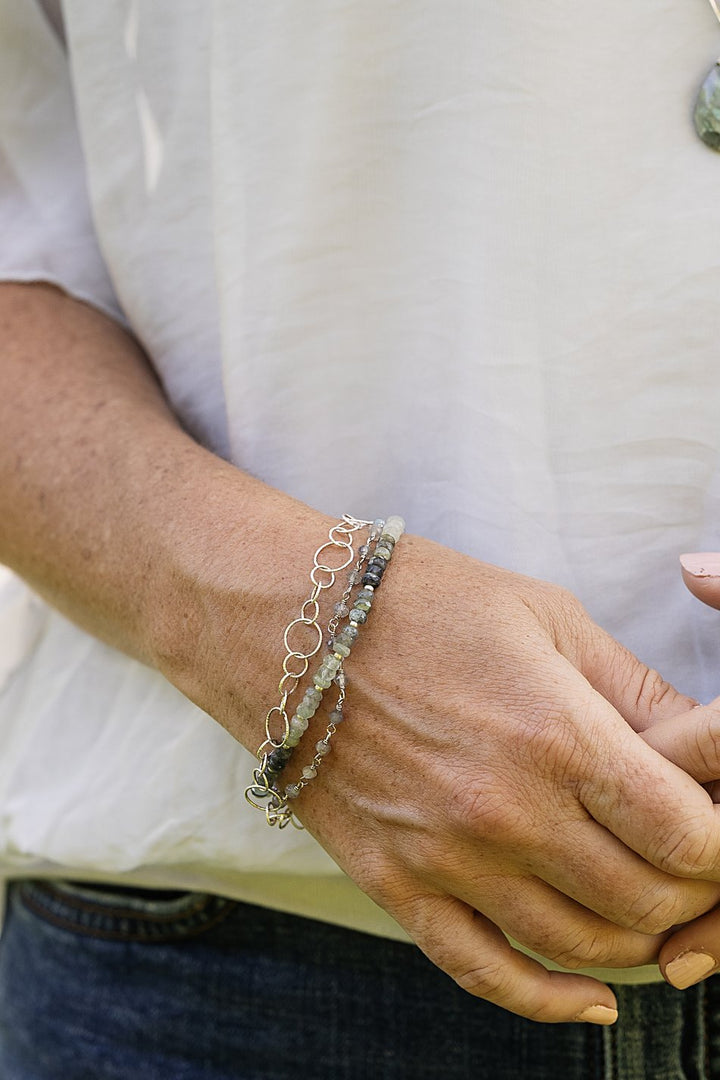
(707, 109)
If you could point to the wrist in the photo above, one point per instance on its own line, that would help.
(232, 564)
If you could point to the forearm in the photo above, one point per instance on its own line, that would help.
(114, 514)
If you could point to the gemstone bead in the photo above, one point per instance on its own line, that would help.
(341, 648)
(309, 772)
(383, 552)
(366, 594)
(292, 791)
(351, 632)
(341, 609)
(298, 725)
(323, 681)
(358, 616)
(336, 717)
(278, 759)
(370, 579)
(322, 747)
(363, 605)
(306, 709)
(395, 527)
(363, 550)
(377, 560)
(707, 109)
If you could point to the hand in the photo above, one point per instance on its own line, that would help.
(486, 780)
(693, 952)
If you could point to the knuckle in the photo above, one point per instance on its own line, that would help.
(553, 747)
(648, 688)
(707, 744)
(484, 980)
(654, 911)
(688, 850)
(587, 950)
(479, 807)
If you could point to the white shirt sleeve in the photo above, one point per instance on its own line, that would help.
(46, 228)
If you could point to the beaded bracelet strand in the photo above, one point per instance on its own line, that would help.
(341, 646)
(275, 753)
(340, 536)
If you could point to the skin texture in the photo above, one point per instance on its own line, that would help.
(498, 773)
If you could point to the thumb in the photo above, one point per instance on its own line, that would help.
(701, 574)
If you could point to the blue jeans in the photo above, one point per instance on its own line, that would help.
(99, 984)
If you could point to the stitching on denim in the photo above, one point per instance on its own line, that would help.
(99, 908)
(166, 933)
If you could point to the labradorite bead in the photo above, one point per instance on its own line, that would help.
(323, 681)
(387, 541)
(341, 648)
(377, 560)
(278, 759)
(363, 605)
(309, 772)
(394, 526)
(322, 747)
(366, 594)
(306, 709)
(298, 724)
(383, 553)
(358, 616)
(351, 632)
(371, 579)
(707, 109)
(313, 696)
(343, 638)
(336, 716)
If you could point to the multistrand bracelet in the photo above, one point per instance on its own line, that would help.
(265, 792)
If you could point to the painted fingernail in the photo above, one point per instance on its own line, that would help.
(598, 1014)
(701, 563)
(688, 968)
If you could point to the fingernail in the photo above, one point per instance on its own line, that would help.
(598, 1014)
(701, 563)
(688, 968)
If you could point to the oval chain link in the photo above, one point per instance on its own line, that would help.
(339, 536)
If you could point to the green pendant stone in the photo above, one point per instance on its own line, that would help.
(707, 109)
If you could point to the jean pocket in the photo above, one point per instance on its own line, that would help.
(99, 911)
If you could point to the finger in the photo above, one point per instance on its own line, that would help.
(552, 925)
(477, 955)
(585, 862)
(691, 741)
(701, 574)
(637, 692)
(653, 806)
(692, 953)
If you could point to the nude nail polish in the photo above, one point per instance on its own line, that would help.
(598, 1014)
(701, 563)
(688, 968)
